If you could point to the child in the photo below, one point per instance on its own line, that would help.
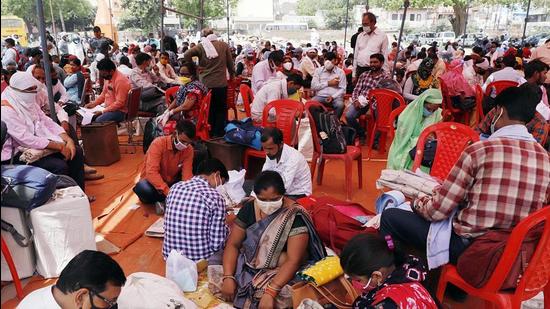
(391, 279)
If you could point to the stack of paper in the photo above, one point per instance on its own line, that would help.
(88, 113)
(157, 229)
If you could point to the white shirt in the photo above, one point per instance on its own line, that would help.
(275, 89)
(508, 73)
(320, 80)
(261, 74)
(167, 73)
(41, 298)
(9, 55)
(124, 69)
(294, 170)
(368, 44)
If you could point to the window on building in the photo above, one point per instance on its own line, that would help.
(393, 16)
(418, 17)
(411, 17)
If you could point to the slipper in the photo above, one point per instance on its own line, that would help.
(91, 177)
(91, 198)
(89, 170)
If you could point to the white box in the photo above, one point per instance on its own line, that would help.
(62, 229)
(23, 257)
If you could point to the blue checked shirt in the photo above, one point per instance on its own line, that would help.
(194, 222)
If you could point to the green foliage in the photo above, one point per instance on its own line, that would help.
(144, 14)
(76, 13)
(307, 7)
(213, 9)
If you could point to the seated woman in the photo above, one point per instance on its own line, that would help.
(189, 96)
(390, 279)
(418, 115)
(29, 128)
(272, 238)
(74, 82)
(421, 80)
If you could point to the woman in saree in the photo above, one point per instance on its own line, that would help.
(423, 79)
(188, 99)
(419, 114)
(271, 240)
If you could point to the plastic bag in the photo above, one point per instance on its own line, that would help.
(147, 290)
(182, 271)
(232, 190)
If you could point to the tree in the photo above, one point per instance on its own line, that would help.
(213, 9)
(76, 13)
(307, 7)
(144, 14)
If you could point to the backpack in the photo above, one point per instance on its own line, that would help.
(243, 132)
(337, 221)
(330, 131)
(151, 131)
(478, 262)
(26, 186)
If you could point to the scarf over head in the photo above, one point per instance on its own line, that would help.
(209, 48)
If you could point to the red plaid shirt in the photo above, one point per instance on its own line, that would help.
(535, 126)
(366, 82)
(496, 182)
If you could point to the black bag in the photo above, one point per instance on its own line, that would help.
(243, 132)
(200, 154)
(429, 153)
(466, 104)
(150, 132)
(330, 131)
(71, 108)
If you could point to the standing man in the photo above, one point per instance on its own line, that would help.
(371, 41)
(11, 54)
(101, 44)
(215, 62)
(354, 38)
(329, 84)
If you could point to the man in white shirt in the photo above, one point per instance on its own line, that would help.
(167, 73)
(309, 64)
(92, 279)
(288, 162)
(329, 83)
(11, 53)
(276, 89)
(474, 71)
(265, 70)
(371, 41)
(508, 73)
(124, 66)
(58, 91)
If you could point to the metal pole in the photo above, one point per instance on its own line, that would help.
(406, 4)
(53, 22)
(525, 25)
(466, 24)
(62, 20)
(346, 29)
(227, 2)
(161, 26)
(46, 58)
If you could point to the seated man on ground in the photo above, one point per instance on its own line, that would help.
(28, 127)
(494, 184)
(276, 89)
(260, 254)
(329, 83)
(194, 222)
(152, 98)
(367, 81)
(91, 279)
(385, 272)
(114, 94)
(418, 115)
(168, 160)
(288, 162)
(188, 99)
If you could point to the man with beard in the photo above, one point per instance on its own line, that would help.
(114, 94)
(288, 162)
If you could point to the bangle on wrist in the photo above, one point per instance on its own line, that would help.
(229, 277)
(271, 292)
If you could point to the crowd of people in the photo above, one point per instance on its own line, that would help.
(495, 183)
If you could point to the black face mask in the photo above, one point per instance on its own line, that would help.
(55, 81)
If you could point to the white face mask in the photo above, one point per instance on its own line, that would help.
(269, 207)
(179, 145)
(287, 66)
(496, 120)
(329, 65)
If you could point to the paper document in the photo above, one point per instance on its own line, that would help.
(88, 113)
(156, 229)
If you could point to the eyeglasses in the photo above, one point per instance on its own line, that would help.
(111, 304)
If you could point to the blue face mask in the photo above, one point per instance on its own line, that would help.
(292, 91)
(427, 113)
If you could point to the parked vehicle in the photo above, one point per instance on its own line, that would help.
(443, 37)
(427, 38)
(413, 38)
(469, 39)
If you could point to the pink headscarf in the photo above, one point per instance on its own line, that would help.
(455, 81)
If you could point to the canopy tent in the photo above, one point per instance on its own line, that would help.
(104, 19)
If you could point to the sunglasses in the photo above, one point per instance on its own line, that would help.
(111, 304)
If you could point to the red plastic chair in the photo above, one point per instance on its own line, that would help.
(203, 127)
(449, 112)
(353, 153)
(479, 104)
(393, 116)
(498, 86)
(232, 96)
(248, 97)
(452, 138)
(285, 120)
(170, 94)
(384, 101)
(13, 270)
(534, 280)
